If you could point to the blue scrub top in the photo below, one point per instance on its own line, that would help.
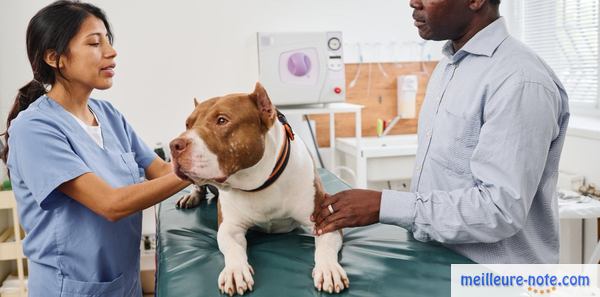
(73, 251)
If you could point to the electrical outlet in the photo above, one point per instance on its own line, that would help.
(404, 185)
(401, 185)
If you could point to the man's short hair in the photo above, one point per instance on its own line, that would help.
(495, 2)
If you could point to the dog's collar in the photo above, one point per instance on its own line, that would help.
(284, 154)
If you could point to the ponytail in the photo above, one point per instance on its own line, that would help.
(51, 28)
(27, 95)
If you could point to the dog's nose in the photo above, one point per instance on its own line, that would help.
(178, 145)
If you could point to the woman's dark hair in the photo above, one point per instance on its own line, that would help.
(52, 28)
(495, 2)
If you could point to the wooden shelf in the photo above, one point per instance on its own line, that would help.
(11, 251)
(7, 200)
(11, 247)
(12, 294)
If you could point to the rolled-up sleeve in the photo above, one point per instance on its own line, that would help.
(519, 123)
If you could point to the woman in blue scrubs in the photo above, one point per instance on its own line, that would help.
(75, 163)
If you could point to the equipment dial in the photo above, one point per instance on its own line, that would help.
(334, 43)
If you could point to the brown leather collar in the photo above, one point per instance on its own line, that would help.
(284, 154)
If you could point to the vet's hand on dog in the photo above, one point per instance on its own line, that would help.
(351, 208)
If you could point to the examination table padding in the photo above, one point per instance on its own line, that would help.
(380, 260)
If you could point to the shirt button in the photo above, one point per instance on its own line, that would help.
(428, 133)
(418, 168)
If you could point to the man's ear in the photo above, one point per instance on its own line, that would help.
(51, 58)
(476, 5)
(265, 107)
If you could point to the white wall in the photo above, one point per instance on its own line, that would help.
(581, 156)
(172, 51)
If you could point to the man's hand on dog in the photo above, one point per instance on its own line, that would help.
(351, 208)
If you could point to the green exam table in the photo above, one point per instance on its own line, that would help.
(380, 260)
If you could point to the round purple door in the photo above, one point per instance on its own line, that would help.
(299, 64)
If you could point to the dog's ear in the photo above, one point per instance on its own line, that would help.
(267, 110)
(195, 102)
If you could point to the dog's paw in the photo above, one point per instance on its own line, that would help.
(330, 277)
(191, 200)
(236, 279)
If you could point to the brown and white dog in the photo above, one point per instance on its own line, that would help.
(266, 179)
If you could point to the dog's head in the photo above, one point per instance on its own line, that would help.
(223, 135)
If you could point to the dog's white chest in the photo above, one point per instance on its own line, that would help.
(280, 225)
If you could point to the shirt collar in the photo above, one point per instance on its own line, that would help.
(484, 43)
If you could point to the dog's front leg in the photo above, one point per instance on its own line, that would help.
(237, 274)
(328, 274)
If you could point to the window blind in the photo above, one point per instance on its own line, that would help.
(565, 34)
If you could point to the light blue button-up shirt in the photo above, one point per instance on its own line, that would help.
(491, 130)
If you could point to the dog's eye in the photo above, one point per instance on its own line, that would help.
(222, 120)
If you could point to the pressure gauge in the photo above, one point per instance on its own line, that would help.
(334, 43)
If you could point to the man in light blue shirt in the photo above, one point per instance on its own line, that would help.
(491, 130)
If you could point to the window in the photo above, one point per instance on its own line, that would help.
(565, 34)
